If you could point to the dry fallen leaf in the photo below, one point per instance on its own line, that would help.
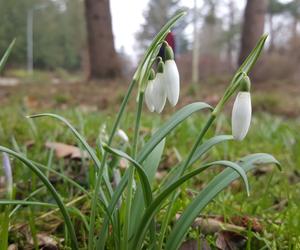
(193, 245)
(263, 170)
(66, 151)
(12, 247)
(213, 225)
(123, 163)
(230, 241)
(45, 241)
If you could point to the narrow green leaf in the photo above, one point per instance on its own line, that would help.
(249, 62)
(4, 228)
(157, 202)
(81, 140)
(220, 182)
(143, 177)
(157, 137)
(6, 55)
(151, 164)
(26, 203)
(172, 123)
(200, 151)
(51, 189)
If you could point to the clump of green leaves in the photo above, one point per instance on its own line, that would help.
(123, 215)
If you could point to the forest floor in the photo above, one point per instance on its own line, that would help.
(47, 91)
(270, 215)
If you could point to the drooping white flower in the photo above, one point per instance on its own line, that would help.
(121, 133)
(172, 79)
(148, 96)
(241, 115)
(8, 173)
(149, 92)
(159, 93)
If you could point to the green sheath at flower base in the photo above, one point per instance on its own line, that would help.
(160, 66)
(245, 84)
(151, 75)
(169, 54)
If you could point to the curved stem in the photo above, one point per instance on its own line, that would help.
(131, 173)
(100, 170)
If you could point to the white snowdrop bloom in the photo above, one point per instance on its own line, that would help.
(172, 79)
(159, 93)
(149, 93)
(241, 115)
(121, 133)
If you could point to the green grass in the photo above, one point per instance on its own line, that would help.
(269, 134)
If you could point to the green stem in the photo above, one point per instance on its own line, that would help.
(181, 171)
(100, 170)
(131, 173)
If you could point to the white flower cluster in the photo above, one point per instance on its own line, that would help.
(165, 85)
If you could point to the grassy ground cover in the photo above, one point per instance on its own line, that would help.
(273, 205)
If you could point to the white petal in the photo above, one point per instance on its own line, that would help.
(148, 96)
(7, 172)
(172, 82)
(241, 115)
(122, 135)
(159, 93)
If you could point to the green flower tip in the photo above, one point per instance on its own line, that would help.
(169, 54)
(151, 75)
(160, 66)
(245, 84)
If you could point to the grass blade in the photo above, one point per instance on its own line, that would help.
(157, 137)
(80, 138)
(143, 177)
(6, 55)
(220, 182)
(51, 189)
(157, 202)
(172, 123)
(26, 203)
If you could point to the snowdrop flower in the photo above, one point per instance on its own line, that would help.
(158, 92)
(7, 172)
(149, 92)
(172, 81)
(121, 133)
(241, 112)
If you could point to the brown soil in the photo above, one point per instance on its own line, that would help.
(282, 98)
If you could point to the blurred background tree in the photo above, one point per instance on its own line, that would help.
(103, 59)
(156, 15)
(58, 32)
(77, 34)
(253, 26)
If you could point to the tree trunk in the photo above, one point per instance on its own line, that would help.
(272, 33)
(230, 44)
(103, 59)
(253, 27)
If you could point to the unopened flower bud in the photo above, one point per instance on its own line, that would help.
(172, 81)
(149, 91)
(159, 92)
(241, 115)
